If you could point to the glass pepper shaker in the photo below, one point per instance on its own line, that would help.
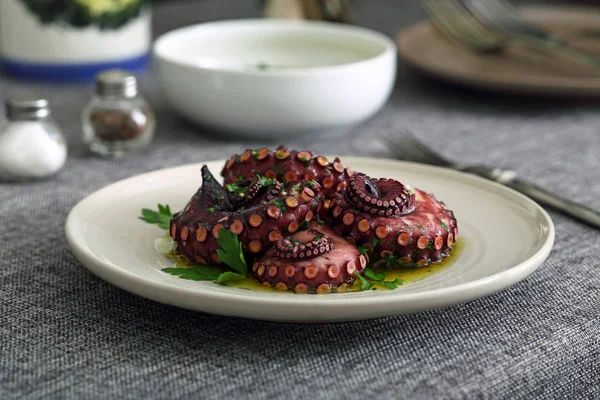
(117, 120)
(32, 145)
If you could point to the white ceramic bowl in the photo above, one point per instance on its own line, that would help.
(275, 78)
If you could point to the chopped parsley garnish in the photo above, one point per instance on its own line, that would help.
(266, 181)
(444, 225)
(280, 204)
(310, 184)
(362, 249)
(420, 228)
(372, 278)
(236, 189)
(303, 226)
(320, 222)
(255, 153)
(320, 236)
(162, 217)
(365, 284)
(376, 276)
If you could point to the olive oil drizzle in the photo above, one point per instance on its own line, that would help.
(166, 247)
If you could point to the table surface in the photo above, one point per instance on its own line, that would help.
(66, 333)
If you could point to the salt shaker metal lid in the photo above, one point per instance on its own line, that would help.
(116, 83)
(24, 109)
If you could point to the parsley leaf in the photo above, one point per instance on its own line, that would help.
(320, 222)
(303, 225)
(202, 273)
(375, 242)
(162, 218)
(266, 181)
(376, 276)
(229, 276)
(236, 189)
(365, 284)
(281, 205)
(231, 251)
(362, 249)
(388, 285)
(444, 225)
(420, 228)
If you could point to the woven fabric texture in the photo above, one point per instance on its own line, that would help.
(64, 333)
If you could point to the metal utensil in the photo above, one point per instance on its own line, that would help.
(486, 25)
(409, 148)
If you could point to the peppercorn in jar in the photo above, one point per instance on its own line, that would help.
(117, 120)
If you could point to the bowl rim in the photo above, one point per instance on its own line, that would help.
(389, 46)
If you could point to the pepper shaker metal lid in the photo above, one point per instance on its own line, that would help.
(27, 109)
(116, 83)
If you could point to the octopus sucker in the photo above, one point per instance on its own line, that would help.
(253, 211)
(286, 166)
(409, 227)
(312, 260)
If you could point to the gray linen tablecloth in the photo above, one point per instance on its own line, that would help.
(64, 333)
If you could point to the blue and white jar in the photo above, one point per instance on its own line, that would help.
(72, 40)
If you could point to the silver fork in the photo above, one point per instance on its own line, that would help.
(486, 25)
(408, 147)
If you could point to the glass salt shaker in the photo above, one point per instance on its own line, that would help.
(32, 145)
(117, 120)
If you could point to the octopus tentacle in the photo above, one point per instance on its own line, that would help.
(409, 228)
(259, 222)
(286, 165)
(320, 273)
(377, 196)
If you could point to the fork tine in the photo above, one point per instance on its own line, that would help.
(503, 16)
(456, 22)
(409, 148)
(427, 151)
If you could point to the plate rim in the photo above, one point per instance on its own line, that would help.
(462, 292)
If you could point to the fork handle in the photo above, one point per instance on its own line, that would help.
(509, 178)
(566, 206)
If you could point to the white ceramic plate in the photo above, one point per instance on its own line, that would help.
(505, 237)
